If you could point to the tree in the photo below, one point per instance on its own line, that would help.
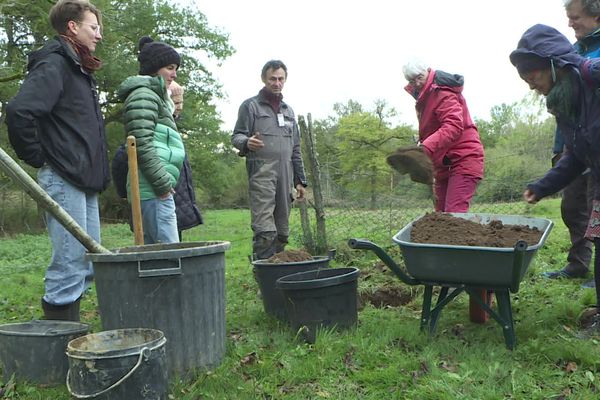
(365, 139)
(24, 27)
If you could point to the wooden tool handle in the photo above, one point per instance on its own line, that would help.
(134, 185)
(14, 170)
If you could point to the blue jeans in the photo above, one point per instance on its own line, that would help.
(70, 273)
(159, 221)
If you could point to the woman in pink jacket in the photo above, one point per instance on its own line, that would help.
(447, 135)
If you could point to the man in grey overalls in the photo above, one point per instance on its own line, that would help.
(266, 133)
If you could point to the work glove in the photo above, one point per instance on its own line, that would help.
(412, 160)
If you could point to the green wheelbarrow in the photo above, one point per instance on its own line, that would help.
(464, 269)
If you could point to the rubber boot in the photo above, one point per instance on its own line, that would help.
(280, 243)
(66, 312)
(263, 245)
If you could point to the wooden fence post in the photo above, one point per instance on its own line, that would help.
(308, 141)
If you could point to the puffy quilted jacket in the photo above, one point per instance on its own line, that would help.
(148, 115)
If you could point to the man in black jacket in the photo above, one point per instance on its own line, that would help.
(55, 124)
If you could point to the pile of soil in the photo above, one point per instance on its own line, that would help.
(413, 161)
(441, 228)
(289, 256)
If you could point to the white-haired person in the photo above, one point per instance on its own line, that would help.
(447, 135)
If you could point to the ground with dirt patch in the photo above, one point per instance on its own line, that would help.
(441, 228)
(387, 297)
(290, 256)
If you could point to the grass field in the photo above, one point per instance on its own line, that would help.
(386, 356)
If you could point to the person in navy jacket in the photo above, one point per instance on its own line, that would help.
(547, 61)
(584, 19)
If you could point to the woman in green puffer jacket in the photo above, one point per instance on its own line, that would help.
(148, 114)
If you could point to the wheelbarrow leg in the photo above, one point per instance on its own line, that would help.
(505, 311)
(435, 313)
(430, 316)
(426, 311)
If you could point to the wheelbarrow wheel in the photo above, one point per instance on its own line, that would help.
(476, 313)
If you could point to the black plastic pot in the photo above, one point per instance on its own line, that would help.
(321, 298)
(267, 273)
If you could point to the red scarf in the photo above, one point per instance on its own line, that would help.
(89, 62)
(273, 99)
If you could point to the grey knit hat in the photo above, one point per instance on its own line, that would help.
(155, 55)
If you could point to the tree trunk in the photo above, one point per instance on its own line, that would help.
(315, 183)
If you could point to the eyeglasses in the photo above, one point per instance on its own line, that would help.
(95, 27)
(415, 79)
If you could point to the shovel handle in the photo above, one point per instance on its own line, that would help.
(14, 170)
(134, 184)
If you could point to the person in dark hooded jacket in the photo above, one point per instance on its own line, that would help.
(55, 124)
(547, 61)
(576, 203)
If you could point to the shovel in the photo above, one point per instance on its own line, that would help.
(134, 185)
(413, 161)
(14, 170)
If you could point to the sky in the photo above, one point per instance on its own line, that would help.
(337, 50)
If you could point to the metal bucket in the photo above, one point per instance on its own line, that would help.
(35, 351)
(122, 364)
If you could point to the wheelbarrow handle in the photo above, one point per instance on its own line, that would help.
(363, 244)
(518, 260)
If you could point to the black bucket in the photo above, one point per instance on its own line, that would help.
(267, 273)
(35, 350)
(121, 364)
(321, 298)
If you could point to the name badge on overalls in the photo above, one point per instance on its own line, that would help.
(280, 120)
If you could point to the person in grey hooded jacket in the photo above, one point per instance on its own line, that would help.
(547, 61)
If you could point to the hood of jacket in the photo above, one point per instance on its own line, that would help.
(154, 83)
(546, 42)
(437, 80)
(56, 45)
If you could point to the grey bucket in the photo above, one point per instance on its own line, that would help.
(178, 288)
(266, 274)
(35, 350)
(122, 364)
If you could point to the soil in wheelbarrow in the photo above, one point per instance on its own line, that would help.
(289, 256)
(440, 228)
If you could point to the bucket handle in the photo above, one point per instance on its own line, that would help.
(149, 273)
(144, 355)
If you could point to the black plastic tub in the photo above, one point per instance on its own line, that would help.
(34, 351)
(266, 274)
(177, 288)
(325, 298)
